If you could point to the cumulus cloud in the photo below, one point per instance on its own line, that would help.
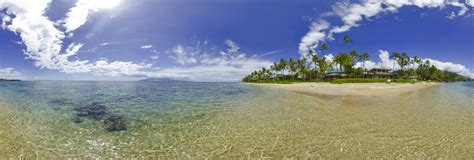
(146, 46)
(9, 73)
(387, 63)
(351, 14)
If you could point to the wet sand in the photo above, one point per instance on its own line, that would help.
(355, 89)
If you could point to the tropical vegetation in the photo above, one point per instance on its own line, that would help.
(315, 68)
(2, 79)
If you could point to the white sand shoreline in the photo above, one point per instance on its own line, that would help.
(363, 89)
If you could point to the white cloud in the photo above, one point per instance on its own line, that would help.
(269, 53)
(77, 16)
(155, 57)
(313, 37)
(233, 47)
(146, 46)
(351, 14)
(184, 55)
(9, 73)
(329, 58)
(470, 3)
(108, 43)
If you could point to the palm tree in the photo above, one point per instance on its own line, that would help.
(302, 67)
(338, 62)
(353, 54)
(345, 61)
(283, 65)
(262, 73)
(404, 60)
(416, 60)
(292, 65)
(364, 57)
(323, 66)
(346, 39)
(274, 67)
(314, 59)
(348, 62)
(395, 56)
(324, 47)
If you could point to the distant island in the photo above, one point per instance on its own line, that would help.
(341, 69)
(3, 79)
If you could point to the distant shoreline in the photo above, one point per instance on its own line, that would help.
(362, 89)
(7, 80)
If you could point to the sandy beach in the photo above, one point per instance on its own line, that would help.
(364, 89)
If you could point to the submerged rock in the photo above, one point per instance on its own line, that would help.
(95, 111)
(77, 120)
(115, 123)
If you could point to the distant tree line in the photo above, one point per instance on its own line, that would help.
(2, 79)
(315, 68)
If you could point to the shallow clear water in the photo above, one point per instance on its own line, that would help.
(233, 120)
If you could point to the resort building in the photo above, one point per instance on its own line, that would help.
(373, 73)
(379, 73)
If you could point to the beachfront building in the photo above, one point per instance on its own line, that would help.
(379, 73)
(334, 73)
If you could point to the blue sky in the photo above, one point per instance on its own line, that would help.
(211, 40)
